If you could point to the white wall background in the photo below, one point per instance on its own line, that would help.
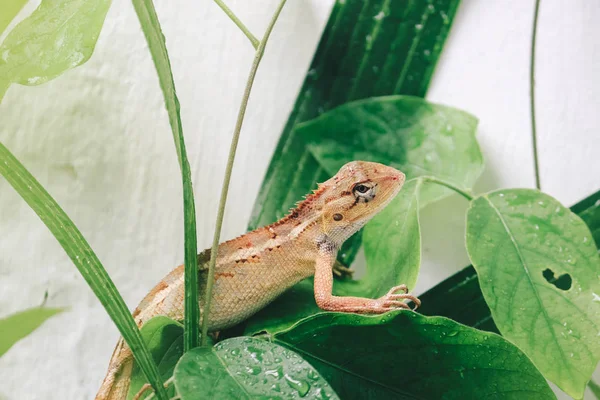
(98, 139)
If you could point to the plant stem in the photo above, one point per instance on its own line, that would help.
(239, 23)
(595, 388)
(536, 164)
(225, 189)
(464, 193)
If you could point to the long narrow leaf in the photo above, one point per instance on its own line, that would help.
(84, 258)
(156, 42)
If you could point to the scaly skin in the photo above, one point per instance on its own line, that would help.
(254, 269)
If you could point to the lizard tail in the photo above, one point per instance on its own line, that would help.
(116, 383)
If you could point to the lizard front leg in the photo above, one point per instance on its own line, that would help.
(327, 301)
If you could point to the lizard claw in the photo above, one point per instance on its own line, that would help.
(341, 271)
(393, 300)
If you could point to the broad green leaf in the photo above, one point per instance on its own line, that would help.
(404, 355)
(539, 272)
(57, 36)
(164, 338)
(392, 243)
(16, 326)
(247, 368)
(158, 48)
(415, 136)
(459, 297)
(8, 11)
(82, 255)
(367, 49)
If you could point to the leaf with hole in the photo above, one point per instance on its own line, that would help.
(538, 269)
(459, 297)
(16, 326)
(247, 368)
(57, 36)
(404, 355)
(164, 338)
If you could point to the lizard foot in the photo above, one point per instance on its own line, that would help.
(394, 301)
(341, 271)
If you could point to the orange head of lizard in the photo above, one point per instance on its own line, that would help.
(356, 194)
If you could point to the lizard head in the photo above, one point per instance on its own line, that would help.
(356, 194)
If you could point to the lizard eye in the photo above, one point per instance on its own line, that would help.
(361, 188)
(364, 191)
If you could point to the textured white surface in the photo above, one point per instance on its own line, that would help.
(98, 139)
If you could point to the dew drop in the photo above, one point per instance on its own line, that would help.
(300, 386)
(253, 370)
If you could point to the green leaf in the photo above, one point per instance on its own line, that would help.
(392, 243)
(8, 11)
(538, 267)
(247, 368)
(82, 255)
(404, 355)
(415, 136)
(57, 36)
(16, 326)
(164, 338)
(368, 49)
(156, 42)
(459, 297)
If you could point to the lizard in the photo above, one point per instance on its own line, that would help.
(252, 270)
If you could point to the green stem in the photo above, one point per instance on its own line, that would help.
(464, 193)
(536, 164)
(240, 24)
(225, 189)
(595, 388)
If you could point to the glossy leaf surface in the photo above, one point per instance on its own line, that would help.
(404, 355)
(247, 368)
